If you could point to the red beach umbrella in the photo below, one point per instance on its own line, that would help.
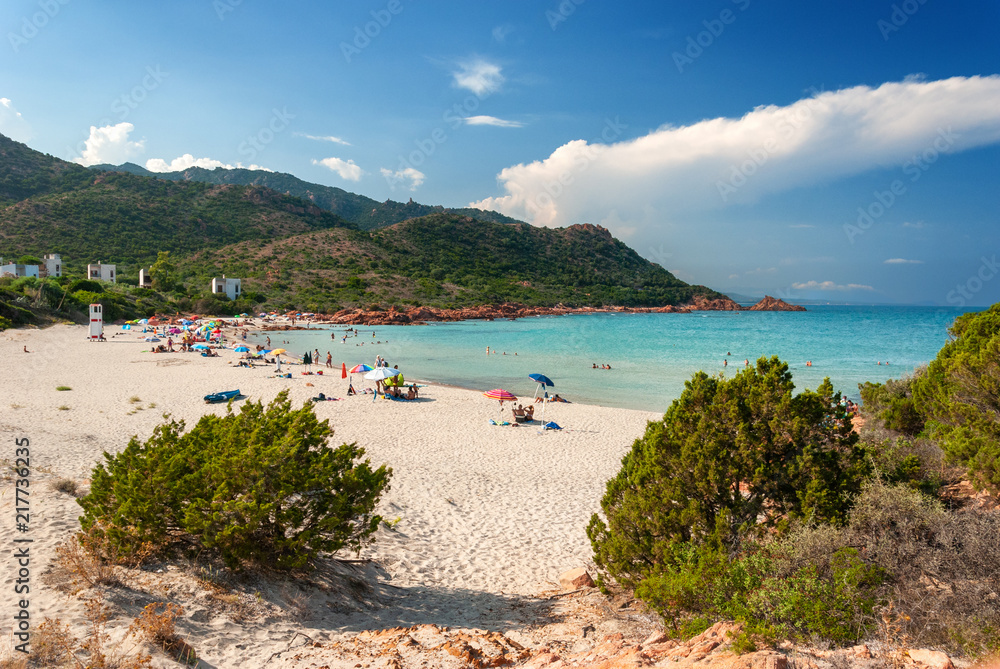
(502, 395)
(343, 370)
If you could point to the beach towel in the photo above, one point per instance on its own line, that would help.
(551, 426)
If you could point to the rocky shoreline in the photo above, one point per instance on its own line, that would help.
(512, 311)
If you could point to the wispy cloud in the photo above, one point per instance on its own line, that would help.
(500, 33)
(829, 285)
(323, 138)
(110, 144)
(347, 169)
(409, 177)
(188, 161)
(12, 123)
(902, 261)
(492, 120)
(478, 76)
(677, 169)
(916, 225)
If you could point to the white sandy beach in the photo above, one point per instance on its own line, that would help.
(487, 514)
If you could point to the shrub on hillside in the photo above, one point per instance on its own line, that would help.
(960, 396)
(259, 486)
(731, 462)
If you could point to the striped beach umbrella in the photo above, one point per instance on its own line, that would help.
(502, 395)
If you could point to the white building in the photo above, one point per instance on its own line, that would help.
(17, 271)
(52, 263)
(101, 272)
(145, 280)
(229, 287)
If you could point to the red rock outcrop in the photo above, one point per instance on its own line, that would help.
(774, 304)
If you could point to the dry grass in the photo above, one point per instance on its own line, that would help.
(67, 486)
(156, 623)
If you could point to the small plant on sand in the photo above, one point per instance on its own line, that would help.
(67, 486)
(89, 559)
(156, 624)
(64, 408)
(260, 487)
(135, 399)
(63, 388)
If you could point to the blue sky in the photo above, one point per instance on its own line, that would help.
(841, 151)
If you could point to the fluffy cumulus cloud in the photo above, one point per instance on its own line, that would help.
(187, 161)
(492, 120)
(347, 169)
(720, 162)
(110, 144)
(829, 285)
(409, 178)
(903, 261)
(323, 138)
(478, 76)
(12, 123)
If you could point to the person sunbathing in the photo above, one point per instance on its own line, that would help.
(411, 393)
(529, 413)
(518, 412)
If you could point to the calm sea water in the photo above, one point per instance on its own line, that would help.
(651, 355)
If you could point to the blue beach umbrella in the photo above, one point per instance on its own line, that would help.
(241, 349)
(199, 346)
(542, 382)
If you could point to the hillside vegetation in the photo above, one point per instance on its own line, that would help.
(364, 212)
(281, 235)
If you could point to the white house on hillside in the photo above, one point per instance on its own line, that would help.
(17, 271)
(145, 280)
(101, 272)
(52, 264)
(229, 287)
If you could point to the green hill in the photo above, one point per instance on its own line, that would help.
(363, 211)
(446, 260)
(295, 253)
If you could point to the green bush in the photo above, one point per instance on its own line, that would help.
(259, 487)
(87, 285)
(729, 459)
(960, 396)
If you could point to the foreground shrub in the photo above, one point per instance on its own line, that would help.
(960, 396)
(260, 487)
(730, 460)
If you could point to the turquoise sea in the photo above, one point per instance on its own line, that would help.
(651, 355)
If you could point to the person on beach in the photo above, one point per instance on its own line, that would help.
(746, 363)
(725, 363)
(316, 356)
(329, 359)
(269, 342)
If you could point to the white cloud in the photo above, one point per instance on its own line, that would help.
(500, 33)
(345, 168)
(680, 169)
(478, 76)
(110, 144)
(829, 285)
(414, 176)
(12, 123)
(902, 261)
(187, 161)
(492, 120)
(323, 138)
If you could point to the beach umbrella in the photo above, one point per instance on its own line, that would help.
(502, 395)
(151, 339)
(382, 373)
(241, 349)
(143, 321)
(278, 351)
(175, 331)
(343, 370)
(200, 346)
(126, 327)
(360, 369)
(542, 382)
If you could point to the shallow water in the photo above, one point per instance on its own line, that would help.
(651, 355)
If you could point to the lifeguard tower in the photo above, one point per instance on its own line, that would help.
(96, 322)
